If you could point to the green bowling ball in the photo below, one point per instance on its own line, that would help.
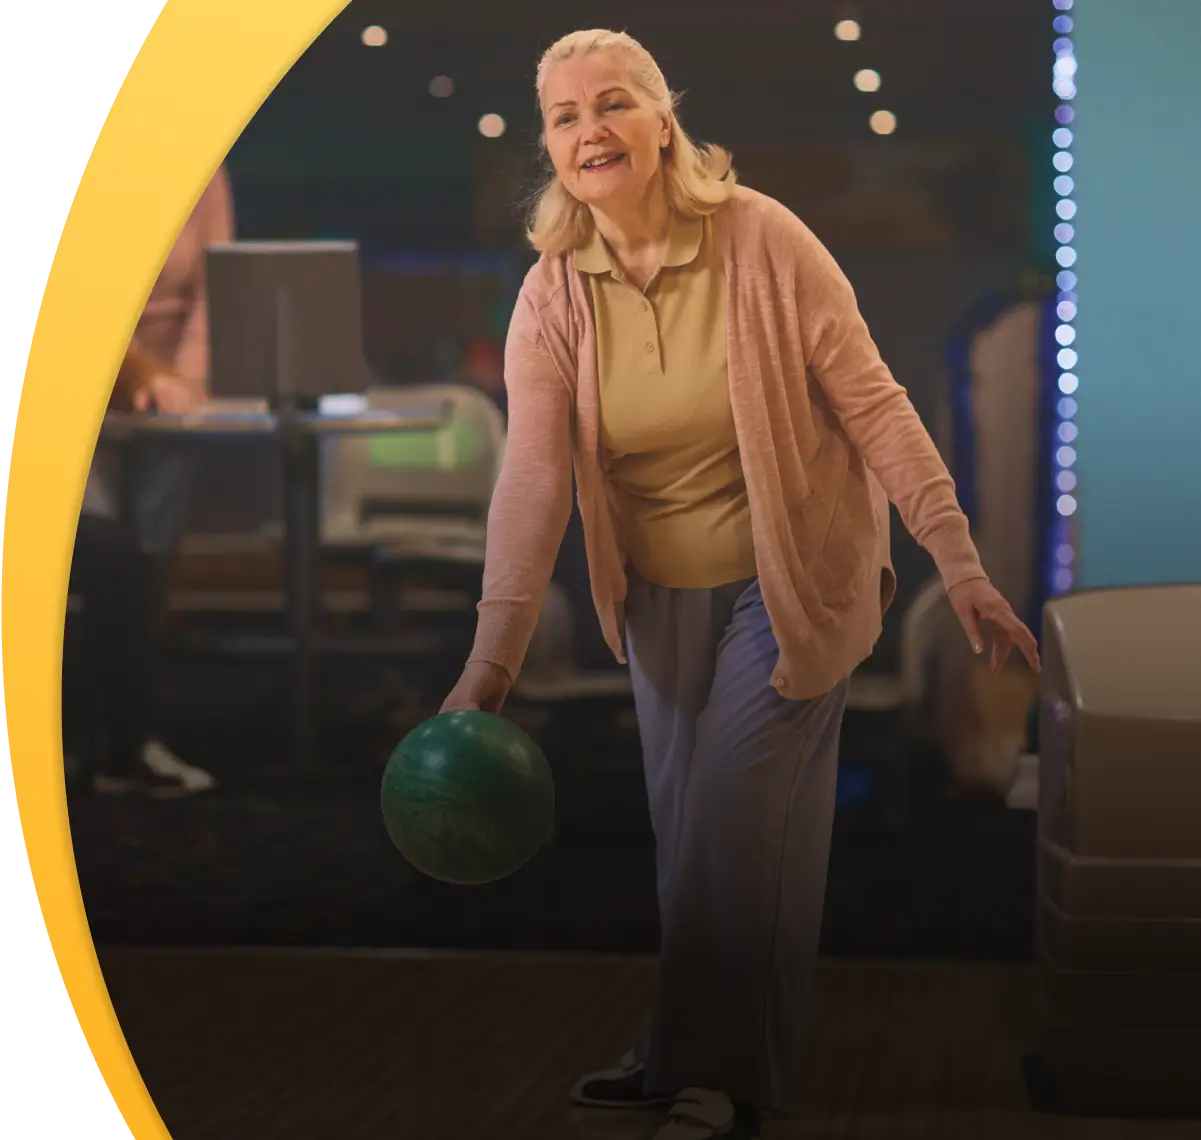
(468, 798)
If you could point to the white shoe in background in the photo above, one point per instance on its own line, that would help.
(163, 762)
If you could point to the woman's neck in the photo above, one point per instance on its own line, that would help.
(637, 234)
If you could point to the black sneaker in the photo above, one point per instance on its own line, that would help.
(620, 1087)
(700, 1114)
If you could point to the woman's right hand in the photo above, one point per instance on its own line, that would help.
(482, 686)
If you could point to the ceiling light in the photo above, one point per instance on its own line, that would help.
(374, 36)
(848, 30)
(883, 122)
(491, 126)
(867, 80)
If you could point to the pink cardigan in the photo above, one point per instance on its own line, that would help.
(174, 324)
(826, 438)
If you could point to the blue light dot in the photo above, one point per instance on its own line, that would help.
(1066, 310)
(1063, 25)
(1065, 456)
(1068, 383)
(1065, 114)
(1065, 481)
(1066, 256)
(1067, 358)
(1062, 138)
(1067, 408)
(1065, 334)
(1066, 280)
(1066, 209)
(1062, 161)
(1063, 578)
(1068, 432)
(1064, 186)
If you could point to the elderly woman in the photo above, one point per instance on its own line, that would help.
(699, 356)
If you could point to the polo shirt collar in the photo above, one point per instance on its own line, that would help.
(683, 244)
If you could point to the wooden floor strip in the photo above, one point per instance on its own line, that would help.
(344, 1046)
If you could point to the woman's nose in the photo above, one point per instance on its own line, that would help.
(594, 130)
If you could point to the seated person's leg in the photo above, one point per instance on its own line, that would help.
(110, 573)
(164, 476)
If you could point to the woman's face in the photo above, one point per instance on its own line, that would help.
(603, 136)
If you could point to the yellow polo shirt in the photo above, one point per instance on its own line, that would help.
(667, 428)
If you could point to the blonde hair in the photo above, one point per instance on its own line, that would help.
(698, 177)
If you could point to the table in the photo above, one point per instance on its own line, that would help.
(298, 432)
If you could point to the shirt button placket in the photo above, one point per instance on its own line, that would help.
(650, 347)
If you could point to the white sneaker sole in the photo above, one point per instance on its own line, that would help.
(628, 1068)
(166, 765)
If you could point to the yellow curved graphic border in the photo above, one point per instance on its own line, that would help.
(205, 68)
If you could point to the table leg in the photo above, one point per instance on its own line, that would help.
(301, 550)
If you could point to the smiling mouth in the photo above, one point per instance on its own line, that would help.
(603, 162)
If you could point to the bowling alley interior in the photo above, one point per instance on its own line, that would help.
(294, 510)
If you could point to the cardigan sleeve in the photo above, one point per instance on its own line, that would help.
(875, 411)
(531, 502)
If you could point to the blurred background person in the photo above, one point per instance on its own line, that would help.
(119, 566)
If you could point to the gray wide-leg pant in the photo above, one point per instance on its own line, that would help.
(741, 783)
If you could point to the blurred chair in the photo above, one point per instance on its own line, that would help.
(417, 494)
(1003, 395)
(414, 505)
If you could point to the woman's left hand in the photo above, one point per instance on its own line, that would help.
(979, 601)
(168, 394)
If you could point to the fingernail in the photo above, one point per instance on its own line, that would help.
(977, 647)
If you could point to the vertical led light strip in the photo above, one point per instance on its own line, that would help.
(1063, 575)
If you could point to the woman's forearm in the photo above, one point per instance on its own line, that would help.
(530, 507)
